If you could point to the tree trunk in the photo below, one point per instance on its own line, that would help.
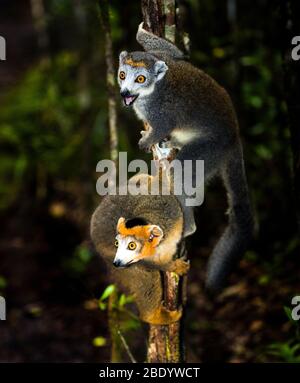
(113, 314)
(110, 79)
(153, 16)
(165, 343)
(40, 24)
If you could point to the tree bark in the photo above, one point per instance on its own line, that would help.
(165, 343)
(113, 313)
(110, 79)
(290, 11)
(153, 16)
(40, 24)
(170, 20)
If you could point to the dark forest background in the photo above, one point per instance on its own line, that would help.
(54, 130)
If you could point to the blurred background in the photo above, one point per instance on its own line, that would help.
(54, 130)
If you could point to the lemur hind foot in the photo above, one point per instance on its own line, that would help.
(180, 266)
(162, 316)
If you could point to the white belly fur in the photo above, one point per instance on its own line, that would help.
(139, 112)
(183, 136)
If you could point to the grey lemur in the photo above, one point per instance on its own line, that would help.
(140, 234)
(185, 105)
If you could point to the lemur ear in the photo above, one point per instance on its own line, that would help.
(155, 234)
(123, 54)
(160, 69)
(120, 224)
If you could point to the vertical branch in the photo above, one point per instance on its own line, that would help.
(165, 343)
(113, 324)
(183, 37)
(232, 17)
(110, 79)
(113, 315)
(170, 23)
(40, 24)
(153, 16)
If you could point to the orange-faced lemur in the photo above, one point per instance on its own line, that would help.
(140, 234)
(181, 103)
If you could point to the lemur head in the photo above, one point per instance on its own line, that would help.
(138, 74)
(135, 240)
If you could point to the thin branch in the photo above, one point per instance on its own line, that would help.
(113, 316)
(170, 23)
(110, 79)
(39, 19)
(125, 344)
(153, 16)
(182, 36)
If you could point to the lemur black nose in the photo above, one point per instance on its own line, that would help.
(117, 263)
(125, 93)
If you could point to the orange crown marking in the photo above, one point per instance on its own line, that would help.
(136, 231)
(135, 63)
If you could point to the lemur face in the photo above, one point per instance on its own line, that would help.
(135, 243)
(128, 250)
(138, 78)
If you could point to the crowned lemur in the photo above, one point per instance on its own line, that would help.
(181, 103)
(139, 235)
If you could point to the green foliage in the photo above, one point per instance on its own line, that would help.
(288, 312)
(60, 7)
(99, 341)
(288, 352)
(127, 319)
(295, 323)
(124, 320)
(80, 260)
(36, 120)
(119, 304)
(40, 123)
(109, 290)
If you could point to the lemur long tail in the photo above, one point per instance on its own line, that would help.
(239, 231)
(152, 43)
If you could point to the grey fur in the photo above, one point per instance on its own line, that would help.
(157, 45)
(187, 100)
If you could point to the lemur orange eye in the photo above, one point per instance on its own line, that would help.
(140, 79)
(122, 75)
(116, 243)
(131, 245)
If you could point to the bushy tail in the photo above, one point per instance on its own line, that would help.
(239, 231)
(155, 44)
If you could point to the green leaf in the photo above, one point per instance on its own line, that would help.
(107, 292)
(263, 152)
(122, 300)
(288, 312)
(264, 280)
(99, 341)
(102, 306)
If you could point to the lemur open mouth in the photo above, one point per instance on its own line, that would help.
(129, 100)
